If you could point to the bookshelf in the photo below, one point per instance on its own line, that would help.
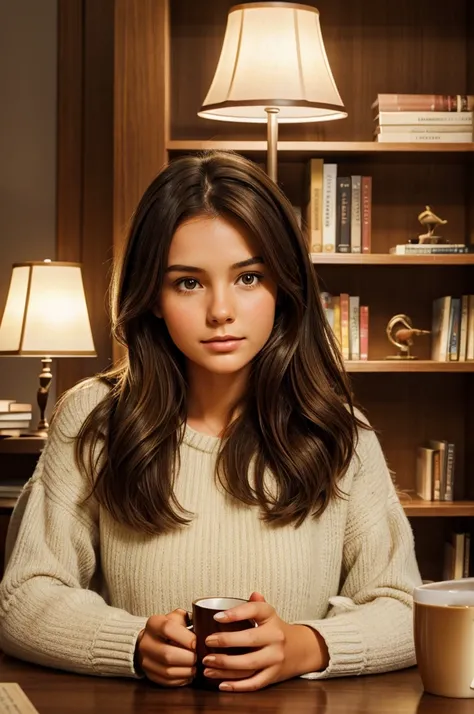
(406, 402)
(148, 114)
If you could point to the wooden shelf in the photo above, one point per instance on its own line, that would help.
(307, 148)
(388, 259)
(418, 507)
(7, 503)
(417, 365)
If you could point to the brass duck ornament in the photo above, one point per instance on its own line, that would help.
(431, 220)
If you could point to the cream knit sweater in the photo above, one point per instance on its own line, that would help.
(79, 587)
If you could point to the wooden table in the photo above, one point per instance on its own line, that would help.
(54, 692)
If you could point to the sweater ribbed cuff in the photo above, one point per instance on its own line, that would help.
(114, 645)
(345, 647)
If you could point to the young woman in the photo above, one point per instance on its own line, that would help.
(224, 457)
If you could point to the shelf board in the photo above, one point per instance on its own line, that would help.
(418, 507)
(7, 503)
(388, 259)
(307, 148)
(416, 365)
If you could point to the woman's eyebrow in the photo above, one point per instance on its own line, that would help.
(193, 269)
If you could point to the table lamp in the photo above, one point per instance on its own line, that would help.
(46, 316)
(273, 68)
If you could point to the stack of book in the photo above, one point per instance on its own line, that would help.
(452, 329)
(423, 118)
(338, 210)
(349, 320)
(15, 418)
(435, 471)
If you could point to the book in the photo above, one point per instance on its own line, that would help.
(314, 205)
(15, 416)
(470, 329)
(463, 328)
(449, 489)
(424, 483)
(424, 102)
(428, 248)
(440, 328)
(329, 207)
(344, 306)
(444, 120)
(10, 405)
(14, 700)
(364, 332)
(356, 214)
(441, 446)
(354, 330)
(366, 214)
(454, 329)
(343, 227)
(428, 136)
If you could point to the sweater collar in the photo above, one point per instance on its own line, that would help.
(201, 442)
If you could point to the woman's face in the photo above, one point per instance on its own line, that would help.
(217, 286)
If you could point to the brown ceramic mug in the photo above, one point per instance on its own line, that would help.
(444, 637)
(203, 625)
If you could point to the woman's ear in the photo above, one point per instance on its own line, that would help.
(156, 311)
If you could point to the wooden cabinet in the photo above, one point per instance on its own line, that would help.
(160, 58)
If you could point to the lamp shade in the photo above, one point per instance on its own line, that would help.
(273, 55)
(46, 312)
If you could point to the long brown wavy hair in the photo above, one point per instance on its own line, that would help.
(296, 422)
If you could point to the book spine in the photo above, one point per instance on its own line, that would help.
(354, 335)
(424, 473)
(470, 330)
(440, 329)
(449, 485)
(467, 555)
(329, 207)
(436, 474)
(315, 205)
(427, 137)
(454, 329)
(463, 328)
(425, 102)
(366, 214)
(364, 332)
(413, 119)
(343, 237)
(344, 303)
(337, 319)
(356, 214)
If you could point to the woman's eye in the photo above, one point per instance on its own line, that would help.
(187, 284)
(250, 279)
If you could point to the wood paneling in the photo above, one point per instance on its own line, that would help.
(85, 164)
(112, 131)
(141, 114)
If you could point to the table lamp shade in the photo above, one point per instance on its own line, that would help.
(46, 312)
(273, 55)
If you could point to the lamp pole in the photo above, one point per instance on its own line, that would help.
(272, 141)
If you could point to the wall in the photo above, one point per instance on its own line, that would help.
(28, 54)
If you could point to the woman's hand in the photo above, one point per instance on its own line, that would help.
(166, 650)
(282, 650)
